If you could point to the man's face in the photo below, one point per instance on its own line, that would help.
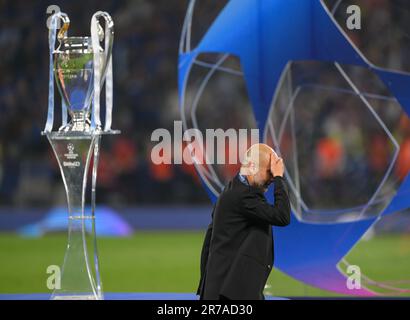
(263, 178)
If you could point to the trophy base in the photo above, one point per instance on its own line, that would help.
(77, 155)
(76, 297)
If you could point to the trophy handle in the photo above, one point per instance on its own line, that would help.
(109, 39)
(51, 43)
(102, 72)
(66, 23)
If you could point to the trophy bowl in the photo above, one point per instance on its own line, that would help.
(73, 71)
(74, 74)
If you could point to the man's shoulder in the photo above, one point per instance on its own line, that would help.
(231, 197)
(234, 185)
(235, 190)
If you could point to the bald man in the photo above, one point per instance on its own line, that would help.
(237, 254)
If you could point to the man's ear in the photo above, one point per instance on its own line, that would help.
(248, 168)
(253, 168)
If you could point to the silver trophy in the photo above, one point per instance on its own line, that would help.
(80, 67)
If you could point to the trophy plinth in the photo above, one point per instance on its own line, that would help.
(80, 122)
(80, 66)
(80, 278)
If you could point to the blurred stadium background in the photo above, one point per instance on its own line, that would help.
(163, 208)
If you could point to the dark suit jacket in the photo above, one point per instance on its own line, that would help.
(237, 254)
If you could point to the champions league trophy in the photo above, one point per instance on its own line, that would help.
(80, 66)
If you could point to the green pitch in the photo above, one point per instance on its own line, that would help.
(169, 262)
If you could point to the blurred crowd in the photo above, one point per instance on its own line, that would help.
(145, 95)
(145, 84)
(344, 146)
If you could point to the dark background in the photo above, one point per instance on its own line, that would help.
(145, 98)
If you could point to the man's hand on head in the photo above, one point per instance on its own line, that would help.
(277, 167)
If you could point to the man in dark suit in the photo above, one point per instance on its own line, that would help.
(237, 254)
